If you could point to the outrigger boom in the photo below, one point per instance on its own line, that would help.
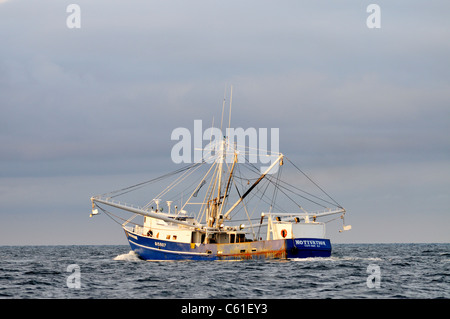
(140, 211)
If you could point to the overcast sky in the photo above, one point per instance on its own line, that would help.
(83, 111)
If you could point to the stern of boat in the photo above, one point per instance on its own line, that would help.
(308, 248)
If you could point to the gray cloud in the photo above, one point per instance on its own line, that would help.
(357, 104)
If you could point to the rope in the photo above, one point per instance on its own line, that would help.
(315, 183)
(142, 184)
(109, 215)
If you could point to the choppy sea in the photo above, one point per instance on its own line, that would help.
(354, 271)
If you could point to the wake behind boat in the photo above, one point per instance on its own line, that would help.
(224, 207)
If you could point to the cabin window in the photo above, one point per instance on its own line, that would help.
(232, 238)
(168, 237)
(174, 237)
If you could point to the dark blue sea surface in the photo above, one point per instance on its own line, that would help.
(354, 271)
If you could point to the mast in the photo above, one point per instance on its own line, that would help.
(216, 202)
(219, 184)
(226, 189)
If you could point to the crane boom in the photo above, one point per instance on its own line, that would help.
(254, 185)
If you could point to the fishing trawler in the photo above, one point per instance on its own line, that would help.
(225, 208)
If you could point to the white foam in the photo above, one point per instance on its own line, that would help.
(131, 256)
(344, 258)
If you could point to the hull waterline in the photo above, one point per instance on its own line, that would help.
(149, 248)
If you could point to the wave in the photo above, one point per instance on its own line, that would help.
(338, 259)
(130, 256)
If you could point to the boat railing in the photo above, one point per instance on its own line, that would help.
(327, 211)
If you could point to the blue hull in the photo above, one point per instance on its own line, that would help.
(149, 248)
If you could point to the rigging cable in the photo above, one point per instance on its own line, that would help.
(139, 185)
(315, 183)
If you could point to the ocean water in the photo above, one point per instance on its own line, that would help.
(354, 271)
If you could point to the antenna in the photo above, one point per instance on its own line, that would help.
(223, 106)
(157, 201)
(231, 100)
(212, 126)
